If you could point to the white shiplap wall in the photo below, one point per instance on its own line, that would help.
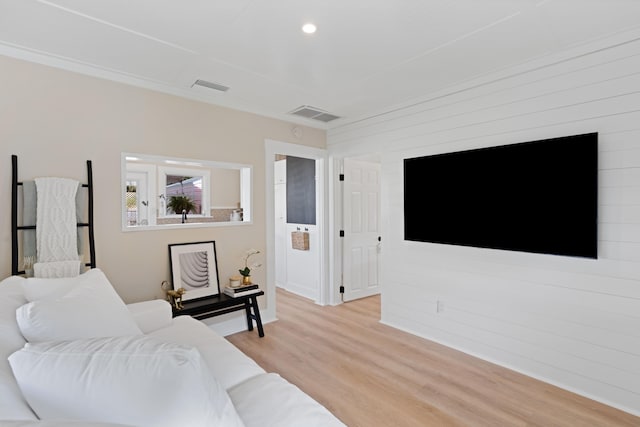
(569, 321)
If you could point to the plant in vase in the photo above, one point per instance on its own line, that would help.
(246, 271)
(180, 203)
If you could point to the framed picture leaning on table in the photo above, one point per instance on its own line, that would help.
(194, 268)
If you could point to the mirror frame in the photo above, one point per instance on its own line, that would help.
(246, 190)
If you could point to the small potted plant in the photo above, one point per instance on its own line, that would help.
(181, 203)
(246, 271)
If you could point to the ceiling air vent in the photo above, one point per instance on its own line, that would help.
(313, 113)
(211, 85)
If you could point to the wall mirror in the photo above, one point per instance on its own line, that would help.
(161, 192)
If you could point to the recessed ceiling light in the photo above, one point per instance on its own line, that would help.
(309, 28)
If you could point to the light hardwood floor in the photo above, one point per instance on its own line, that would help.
(369, 374)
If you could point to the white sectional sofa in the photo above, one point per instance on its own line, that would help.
(73, 354)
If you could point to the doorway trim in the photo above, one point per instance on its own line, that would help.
(273, 147)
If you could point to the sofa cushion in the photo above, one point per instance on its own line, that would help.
(11, 298)
(58, 423)
(130, 380)
(227, 363)
(91, 309)
(270, 400)
(37, 288)
(12, 404)
(151, 315)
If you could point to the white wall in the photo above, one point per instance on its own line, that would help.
(569, 321)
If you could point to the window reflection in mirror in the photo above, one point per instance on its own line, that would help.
(161, 192)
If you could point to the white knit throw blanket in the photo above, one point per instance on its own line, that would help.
(56, 223)
(56, 269)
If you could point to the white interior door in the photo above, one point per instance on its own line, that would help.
(139, 215)
(362, 240)
(143, 177)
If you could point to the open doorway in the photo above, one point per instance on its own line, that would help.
(297, 260)
(274, 150)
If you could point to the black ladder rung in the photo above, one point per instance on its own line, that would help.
(32, 227)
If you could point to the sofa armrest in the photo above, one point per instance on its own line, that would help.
(151, 315)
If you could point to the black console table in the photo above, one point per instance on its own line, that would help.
(222, 304)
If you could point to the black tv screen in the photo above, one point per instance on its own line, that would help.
(538, 196)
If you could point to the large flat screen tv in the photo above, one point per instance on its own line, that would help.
(538, 196)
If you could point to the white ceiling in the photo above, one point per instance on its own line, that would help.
(367, 57)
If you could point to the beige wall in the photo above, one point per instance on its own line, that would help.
(55, 120)
(225, 188)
